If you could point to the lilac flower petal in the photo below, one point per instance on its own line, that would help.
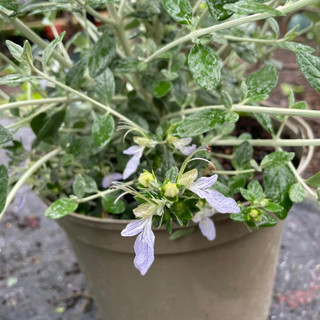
(132, 166)
(182, 142)
(148, 234)
(207, 228)
(188, 150)
(43, 84)
(221, 203)
(144, 254)
(205, 182)
(199, 192)
(203, 213)
(133, 150)
(109, 178)
(133, 228)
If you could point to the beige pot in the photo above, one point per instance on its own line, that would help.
(191, 278)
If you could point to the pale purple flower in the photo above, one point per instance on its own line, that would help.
(134, 162)
(44, 84)
(206, 224)
(109, 178)
(216, 199)
(144, 244)
(183, 145)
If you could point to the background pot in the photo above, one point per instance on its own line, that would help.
(191, 278)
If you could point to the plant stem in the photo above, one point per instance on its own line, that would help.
(121, 7)
(222, 155)
(94, 13)
(118, 24)
(269, 142)
(26, 176)
(271, 41)
(301, 180)
(253, 109)
(233, 172)
(229, 24)
(32, 36)
(101, 194)
(60, 44)
(27, 119)
(94, 102)
(36, 102)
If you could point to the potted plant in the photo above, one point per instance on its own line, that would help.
(152, 142)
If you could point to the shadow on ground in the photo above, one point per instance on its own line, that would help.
(40, 278)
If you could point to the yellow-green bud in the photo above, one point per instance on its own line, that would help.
(146, 178)
(188, 178)
(171, 139)
(145, 210)
(170, 190)
(254, 213)
(141, 141)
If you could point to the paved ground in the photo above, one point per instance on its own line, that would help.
(40, 279)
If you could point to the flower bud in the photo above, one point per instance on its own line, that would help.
(146, 178)
(141, 141)
(188, 178)
(254, 213)
(170, 190)
(145, 210)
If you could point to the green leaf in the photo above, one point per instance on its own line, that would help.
(15, 79)
(277, 182)
(111, 207)
(240, 217)
(15, 50)
(105, 86)
(265, 121)
(310, 68)
(294, 46)
(50, 48)
(247, 194)
(181, 233)
(91, 185)
(242, 156)
(179, 10)
(216, 9)
(50, 127)
(255, 189)
(79, 186)
(273, 207)
(314, 181)
(226, 99)
(189, 127)
(181, 210)
(127, 65)
(261, 83)
(161, 89)
(250, 6)
(277, 159)
(205, 66)
(27, 54)
(267, 221)
(231, 117)
(102, 130)
(11, 4)
(4, 180)
(76, 73)
(102, 54)
(273, 24)
(172, 174)
(5, 135)
(61, 208)
(297, 193)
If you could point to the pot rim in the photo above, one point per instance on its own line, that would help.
(296, 124)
